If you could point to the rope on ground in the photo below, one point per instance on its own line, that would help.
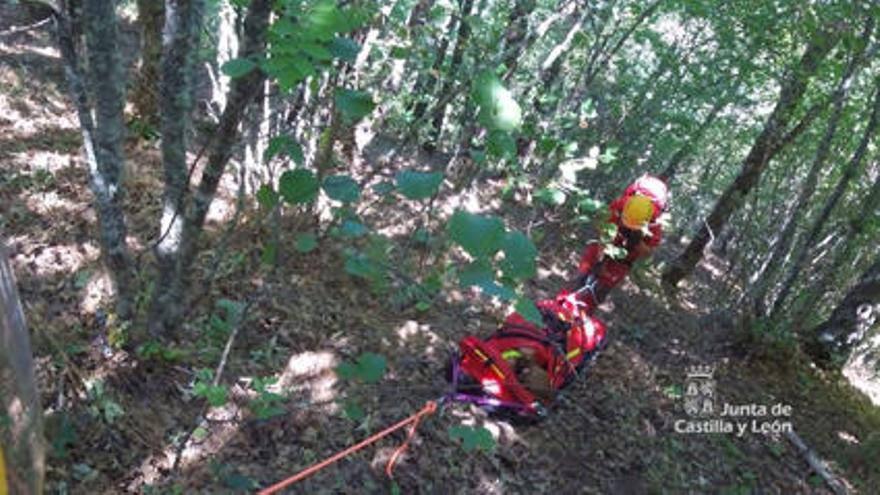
(429, 408)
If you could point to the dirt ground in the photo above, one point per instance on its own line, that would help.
(613, 431)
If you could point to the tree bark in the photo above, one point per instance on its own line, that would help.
(103, 136)
(850, 320)
(464, 30)
(182, 25)
(145, 94)
(168, 306)
(762, 151)
(812, 236)
(766, 271)
(22, 447)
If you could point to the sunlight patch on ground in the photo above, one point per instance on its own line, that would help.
(43, 261)
(48, 203)
(411, 332)
(312, 372)
(861, 372)
(97, 292)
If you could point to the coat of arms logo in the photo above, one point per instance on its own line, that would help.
(699, 391)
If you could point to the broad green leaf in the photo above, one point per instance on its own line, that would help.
(359, 266)
(353, 105)
(306, 242)
(286, 145)
(383, 188)
(498, 109)
(418, 185)
(527, 309)
(267, 197)
(269, 253)
(342, 188)
(519, 256)
(501, 144)
(353, 411)
(473, 438)
(238, 67)
(298, 186)
(371, 367)
(479, 235)
(478, 273)
(501, 291)
(345, 48)
(353, 228)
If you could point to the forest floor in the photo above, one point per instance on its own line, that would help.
(115, 416)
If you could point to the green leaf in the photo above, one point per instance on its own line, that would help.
(306, 242)
(473, 438)
(498, 109)
(422, 306)
(353, 411)
(269, 253)
(267, 198)
(345, 48)
(342, 188)
(286, 145)
(369, 368)
(418, 185)
(519, 256)
(478, 273)
(353, 105)
(383, 188)
(479, 235)
(527, 309)
(238, 67)
(360, 266)
(353, 228)
(551, 195)
(298, 186)
(501, 144)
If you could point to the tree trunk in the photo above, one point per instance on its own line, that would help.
(764, 148)
(22, 447)
(145, 94)
(457, 55)
(812, 236)
(168, 311)
(103, 136)
(804, 196)
(850, 320)
(180, 36)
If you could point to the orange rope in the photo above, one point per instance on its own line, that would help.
(430, 408)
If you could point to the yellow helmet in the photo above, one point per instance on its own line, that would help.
(637, 212)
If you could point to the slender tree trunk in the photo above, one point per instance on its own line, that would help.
(242, 92)
(425, 83)
(849, 172)
(22, 446)
(464, 30)
(103, 136)
(517, 33)
(145, 94)
(600, 60)
(180, 36)
(850, 320)
(764, 148)
(806, 193)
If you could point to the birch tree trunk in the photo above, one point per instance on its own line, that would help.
(22, 447)
(102, 135)
(179, 39)
(764, 148)
(457, 55)
(812, 236)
